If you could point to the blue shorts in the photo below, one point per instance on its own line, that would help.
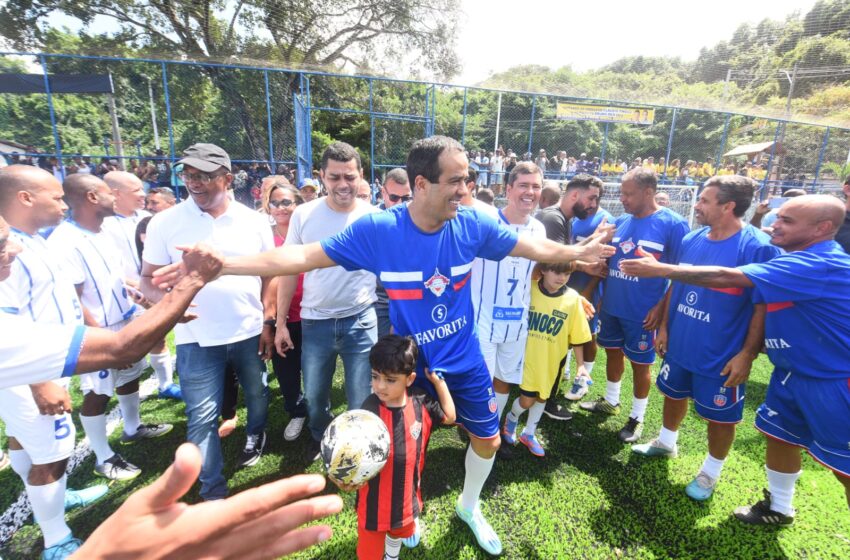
(712, 400)
(637, 343)
(474, 398)
(809, 412)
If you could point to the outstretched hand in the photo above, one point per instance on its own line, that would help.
(255, 524)
(596, 247)
(646, 266)
(201, 259)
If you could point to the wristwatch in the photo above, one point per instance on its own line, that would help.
(269, 323)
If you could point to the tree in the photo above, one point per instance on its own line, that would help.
(303, 33)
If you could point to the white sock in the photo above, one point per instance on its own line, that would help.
(781, 486)
(129, 405)
(477, 470)
(392, 548)
(163, 367)
(534, 415)
(668, 438)
(48, 509)
(95, 428)
(501, 403)
(612, 392)
(639, 408)
(588, 367)
(567, 364)
(516, 411)
(21, 463)
(712, 466)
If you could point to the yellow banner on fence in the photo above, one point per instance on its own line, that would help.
(604, 113)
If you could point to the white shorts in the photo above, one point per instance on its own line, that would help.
(46, 439)
(504, 360)
(105, 381)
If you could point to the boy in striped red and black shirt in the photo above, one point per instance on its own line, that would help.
(389, 505)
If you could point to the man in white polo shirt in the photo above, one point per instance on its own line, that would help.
(230, 327)
(337, 310)
(121, 229)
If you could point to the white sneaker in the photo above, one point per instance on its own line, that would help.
(579, 389)
(293, 429)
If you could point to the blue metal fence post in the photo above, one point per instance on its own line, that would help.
(371, 134)
(463, 128)
(269, 118)
(669, 143)
(57, 144)
(820, 157)
(722, 146)
(531, 125)
(770, 162)
(604, 147)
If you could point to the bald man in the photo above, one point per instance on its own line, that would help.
(550, 195)
(807, 329)
(364, 191)
(120, 228)
(88, 257)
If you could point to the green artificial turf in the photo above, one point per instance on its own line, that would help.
(590, 497)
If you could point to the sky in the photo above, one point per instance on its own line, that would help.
(588, 35)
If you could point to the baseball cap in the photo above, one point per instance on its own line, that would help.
(308, 183)
(205, 157)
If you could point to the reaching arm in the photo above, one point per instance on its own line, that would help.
(286, 286)
(151, 292)
(544, 250)
(283, 261)
(709, 276)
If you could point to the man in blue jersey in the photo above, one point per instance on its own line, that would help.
(710, 336)
(632, 307)
(807, 328)
(429, 289)
(590, 287)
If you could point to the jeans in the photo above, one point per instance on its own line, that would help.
(202, 381)
(351, 338)
(384, 324)
(287, 369)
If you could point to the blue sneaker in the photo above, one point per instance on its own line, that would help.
(509, 430)
(701, 487)
(75, 499)
(484, 533)
(171, 392)
(63, 549)
(413, 540)
(530, 441)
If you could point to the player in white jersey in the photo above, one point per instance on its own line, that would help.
(501, 290)
(91, 262)
(38, 423)
(121, 229)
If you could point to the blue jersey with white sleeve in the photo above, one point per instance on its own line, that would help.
(660, 235)
(426, 276)
(807, 326)
(708, 326)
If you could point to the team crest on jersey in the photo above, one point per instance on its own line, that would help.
(415, 430)
(720, 400)
(492, 404)
(438, 283)
(627, 246)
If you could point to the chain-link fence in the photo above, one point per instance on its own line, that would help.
(158, 107)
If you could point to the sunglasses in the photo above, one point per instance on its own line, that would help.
(400, 197)
(285, 203)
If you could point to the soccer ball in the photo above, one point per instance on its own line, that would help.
(355, 447)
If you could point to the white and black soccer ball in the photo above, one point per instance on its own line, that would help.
(355, 447)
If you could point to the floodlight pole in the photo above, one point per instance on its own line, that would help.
(116, 132)
(792, 80)
(498, 122)
(153, 115)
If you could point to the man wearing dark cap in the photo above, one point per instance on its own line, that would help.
(309, 190)
(235, 318)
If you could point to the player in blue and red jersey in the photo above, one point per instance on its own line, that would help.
(807, 329)
(423, 254)
(712, 372)
(632, 307)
